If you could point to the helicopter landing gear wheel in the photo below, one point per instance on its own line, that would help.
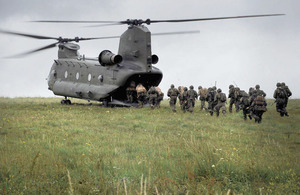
(65, 102)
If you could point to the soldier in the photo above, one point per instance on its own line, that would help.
(184, 97)
(237, 97)
(258, 106)
(153, 95)
(202, 92)
(259, 91)
(288, 92)
(180, 90)
(173, 94)
(210, 98)
(141, 94)
(160, 96)
(191, 95)
(251, 89)
(231, 96)
(280, 95)
(131, 92)
(245, 104)
(221, 100)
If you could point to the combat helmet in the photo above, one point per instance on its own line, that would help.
(219, 90)
(200, 87)
(214, 87)
(191, 87)
(231, 86)
(185, 89)
(283, 84)
(278, 84)
(172, 86)
(257, 86)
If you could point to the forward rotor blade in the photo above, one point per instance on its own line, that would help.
(219, 18)
(34, 51)
(176, 33)
(72, 21)
(27, 35)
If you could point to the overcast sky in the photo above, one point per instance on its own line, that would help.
(242, 51)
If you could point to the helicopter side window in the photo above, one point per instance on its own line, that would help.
(66, 74)
(100, 78)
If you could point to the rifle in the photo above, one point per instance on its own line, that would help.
(274, 102)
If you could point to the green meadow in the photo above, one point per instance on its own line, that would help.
(49, 148)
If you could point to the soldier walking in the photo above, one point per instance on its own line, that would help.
(281, 97)
(221, 100)
(160, 96)
(153, 96)
(173, 94)
(288, 92)
(210, 98)
(202, 92)
(191, 95)
(141, 94)
(258, 106)
(184, 98)
(131, 92)
(231, 96)
(245, 105)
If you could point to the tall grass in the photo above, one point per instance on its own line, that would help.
(48, 148)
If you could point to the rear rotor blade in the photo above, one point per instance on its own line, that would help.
(218, 18)
(176, 33)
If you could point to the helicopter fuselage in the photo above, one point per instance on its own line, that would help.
(75, 76)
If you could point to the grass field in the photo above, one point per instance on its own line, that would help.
(49, 148)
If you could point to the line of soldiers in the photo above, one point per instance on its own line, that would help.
(252, 103)
(139, 94)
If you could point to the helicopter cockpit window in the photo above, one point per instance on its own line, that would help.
(77, 75)
(89, 77)
(100, 78)
(66, 74)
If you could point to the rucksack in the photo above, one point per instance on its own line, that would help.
(281, 93)
(222, 97)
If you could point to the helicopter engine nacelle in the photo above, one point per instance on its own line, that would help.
(106, 57)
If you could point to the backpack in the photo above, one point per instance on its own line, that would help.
(222, 97)
(203, 92)
(281, 93)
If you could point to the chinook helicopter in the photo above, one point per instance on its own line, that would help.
(106, 78)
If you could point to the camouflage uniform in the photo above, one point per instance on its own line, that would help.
(251, 89)
(210, 98)
(237, 97)
(221, 100)
(160, 96)
(141, 95)
(259, 92)
(131, 92)
(202, 92)
(184, 98)
(180, 90)
(192, 95)
(173, 94)
(245, 104)
(288, 92)
(280, 95)
(153, 95)
(258, 106)
(231, 96)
